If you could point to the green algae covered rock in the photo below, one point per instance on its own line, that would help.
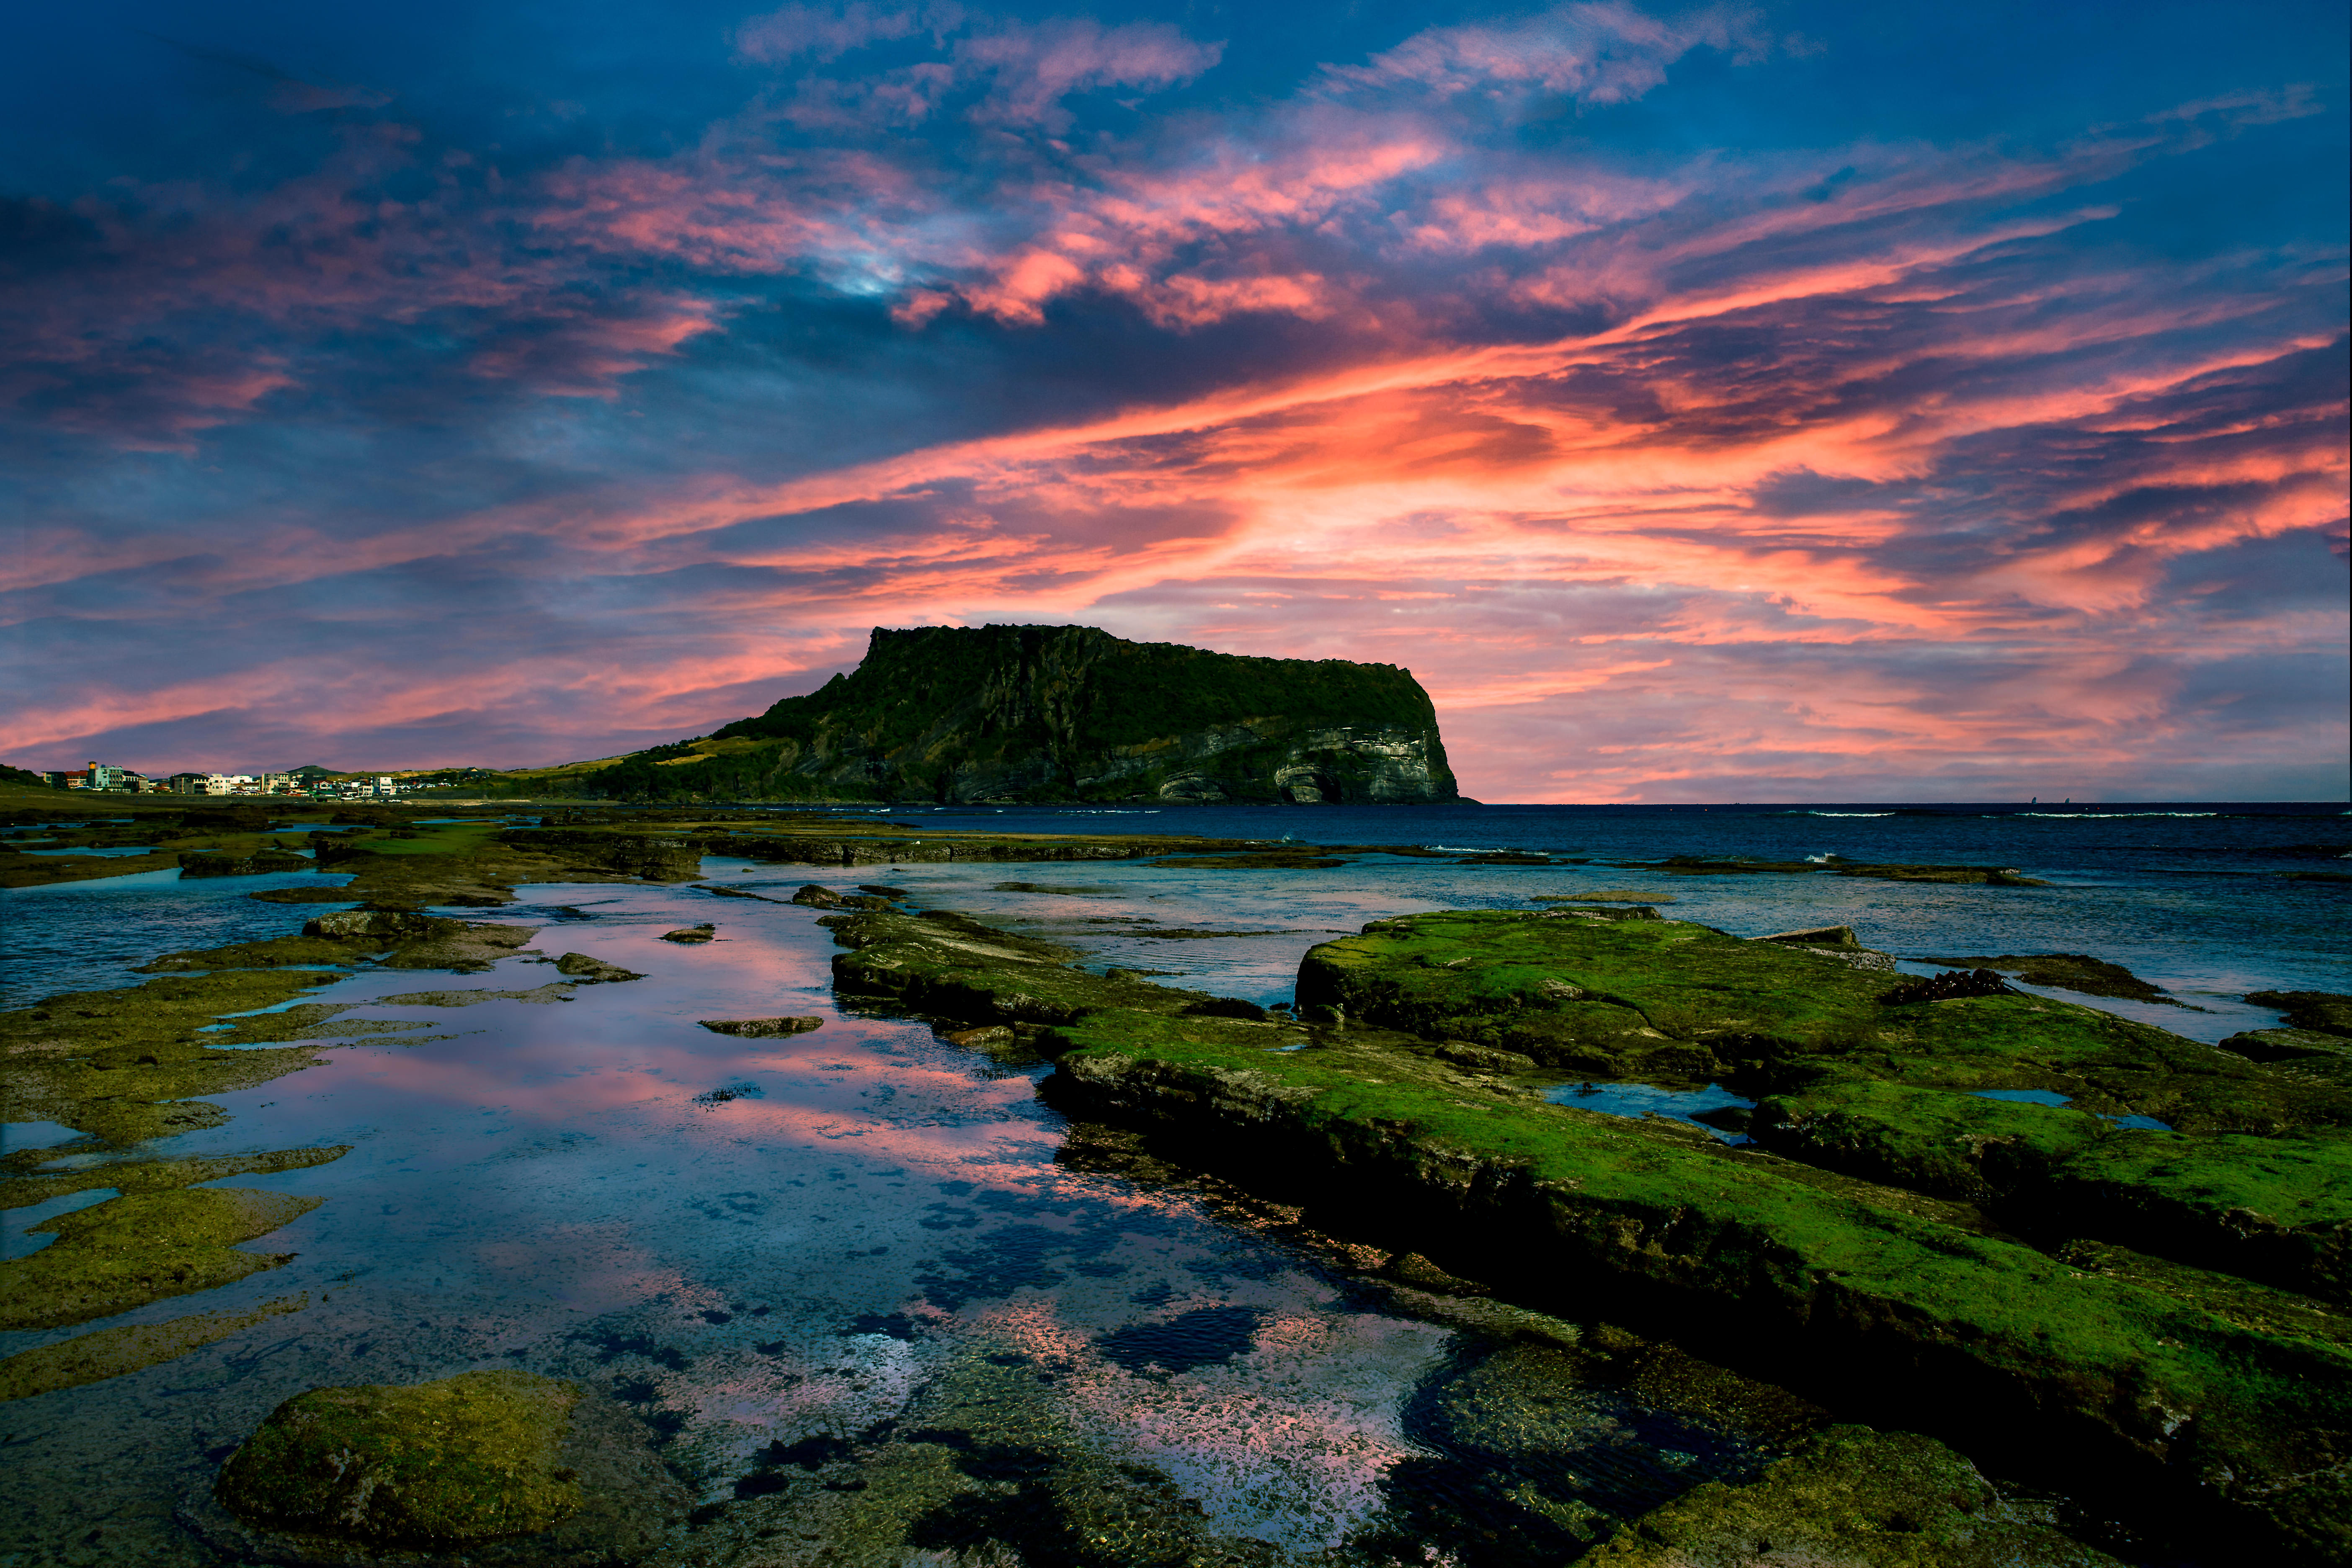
(127, 1348)
(1955, 1145)
(142, 1247)
(2274, 1209)
(471, 1458)
(2149, 1383)
(1592, 993)
(1850, 1498)
(483, 1468)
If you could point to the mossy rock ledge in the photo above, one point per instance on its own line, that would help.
(482, 1468)
(1877, 1267)
(1850, 1498)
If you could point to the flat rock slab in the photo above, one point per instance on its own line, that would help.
(553, 990)
(590, 971)
(761, 1028)
(690, 933)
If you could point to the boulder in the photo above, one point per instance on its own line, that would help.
(592, 971)
(485, 1467)
(691, 934)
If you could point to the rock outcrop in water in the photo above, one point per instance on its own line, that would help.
(1067, 713)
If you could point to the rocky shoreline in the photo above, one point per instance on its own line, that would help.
(1982, 1231)
(1412, 1108)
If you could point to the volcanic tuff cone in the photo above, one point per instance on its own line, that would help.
(1067, 713)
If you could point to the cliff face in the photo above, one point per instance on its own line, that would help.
(1067, 713)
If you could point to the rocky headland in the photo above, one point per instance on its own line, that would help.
(1050, 714)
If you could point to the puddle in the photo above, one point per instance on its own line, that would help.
(18, 1135)
(1639, 1100)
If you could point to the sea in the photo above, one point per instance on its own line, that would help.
(795, 1258)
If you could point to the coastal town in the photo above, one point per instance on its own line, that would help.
(311, 783)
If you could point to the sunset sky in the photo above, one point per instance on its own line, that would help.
(1804, 402)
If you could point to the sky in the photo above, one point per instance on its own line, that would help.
(1791, 402)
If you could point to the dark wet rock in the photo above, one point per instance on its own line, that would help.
(1850, 1498)
(259, 863)
(1411, 1269)
(320, 895)
(1188, 933)
(479, 1468)
(1225, 1007)
(2323, 1011)
(761, 1028)
(691, 934)
(1605, 896)
(1963, 876)
(2069, 972)
(1951, 986)
(882, 891)
(590, 971)
(382, 925)
(1981, 876)
(553, 992)
(725, 893)
(1303, 859)
(1816, 936)
(817, 897)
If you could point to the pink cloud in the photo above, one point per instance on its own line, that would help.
(1601, 53)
